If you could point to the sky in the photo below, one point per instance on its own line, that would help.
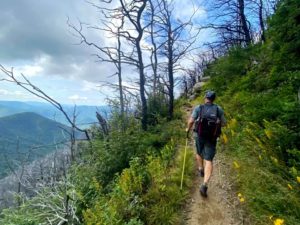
(36, 40)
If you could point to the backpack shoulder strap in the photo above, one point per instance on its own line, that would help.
(217, 110)
(201, 111)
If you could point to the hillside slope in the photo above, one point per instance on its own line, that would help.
(29, 133)
(31, 126)
(258, 88)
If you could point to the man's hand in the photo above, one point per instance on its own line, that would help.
(189, 126)
(187, 130)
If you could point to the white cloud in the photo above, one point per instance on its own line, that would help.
(77, 98)
(39, 45)
(89, 86)
(29, 70)
(4, 92)
(15, 94)
(183, 10)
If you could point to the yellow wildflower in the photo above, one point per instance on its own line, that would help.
(253, 124)
(96, 184)
(268, 133)
(274, 160)
(298, 180)
(241, 198)
(236, 165)
(258, 141)
(278, 222)
(260, 144)
(232, 133)
(225, 139)
(232, 123)
(248, 131)
(294, 171)
(290, 187)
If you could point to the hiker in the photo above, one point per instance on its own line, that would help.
(208, 119)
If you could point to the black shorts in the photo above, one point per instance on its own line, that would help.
(206, 149)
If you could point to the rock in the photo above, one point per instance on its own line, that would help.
(192, 97)
(197, 87)
(204, 79)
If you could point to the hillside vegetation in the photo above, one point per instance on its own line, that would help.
(28, 133)
(132, 176)
(259, 89)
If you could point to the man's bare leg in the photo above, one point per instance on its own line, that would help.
(207, 171)
(199, 162)
(208, 168)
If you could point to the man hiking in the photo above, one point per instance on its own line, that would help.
(208, 119)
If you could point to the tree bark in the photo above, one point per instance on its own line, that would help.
(261, 20)
(170, 72)
(154, 59)
(243, 20)
(119, 68)
(136, 22)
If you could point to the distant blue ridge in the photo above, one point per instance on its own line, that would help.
(86, 115)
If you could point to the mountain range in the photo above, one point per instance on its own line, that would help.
(30, 130)
(86, 115)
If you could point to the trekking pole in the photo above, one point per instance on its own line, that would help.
(183, 167)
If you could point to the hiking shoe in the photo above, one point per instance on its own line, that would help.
(203, 190)
(201, 172)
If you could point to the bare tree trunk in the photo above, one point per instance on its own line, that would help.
(154, 59)
(185, 86)
(134, 15)
(141, 68)
(142, 87)
(170, 72)
(243, 20)
(102, 123)
(261, 20)
(119, 72)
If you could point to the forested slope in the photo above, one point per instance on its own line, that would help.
(259, 89)
(132, 176)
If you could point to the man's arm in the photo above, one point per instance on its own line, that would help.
(222, 117)
(192, 119)
(190, 124)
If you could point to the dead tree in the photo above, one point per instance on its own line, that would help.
(72, 134)
(262, 10)
(152, 31)
(243, 22)
(17, 168)
(176, 41)
(129, 14)
(112, 25)
(133, 14)
(261, 20)
(228, 18)
(132, 32)
(103, 123)
(238, 22)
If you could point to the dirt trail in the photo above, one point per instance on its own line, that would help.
(221, 206)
